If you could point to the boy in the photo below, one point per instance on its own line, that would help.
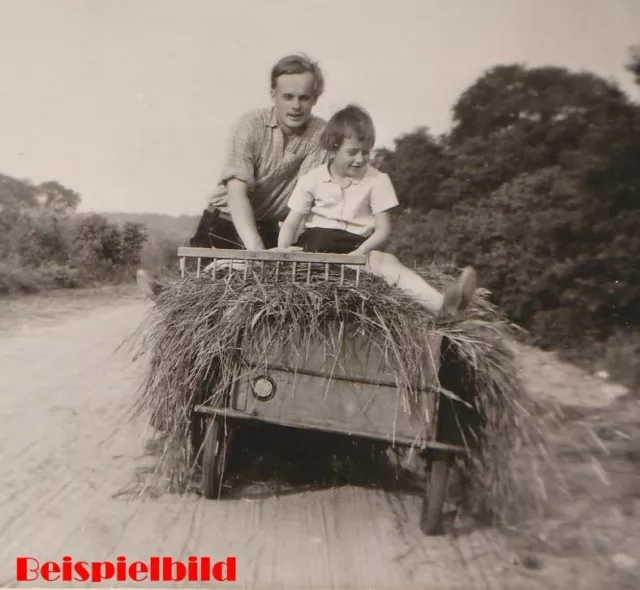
(345, 206)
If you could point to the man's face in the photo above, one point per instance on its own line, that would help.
(294, 100)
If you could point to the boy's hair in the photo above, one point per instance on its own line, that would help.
(299, 64)
(352, 121)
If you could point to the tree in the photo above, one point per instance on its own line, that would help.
(548, 102)
(97, 243)
(29, 215)
(134, 236)
(56, 199)
(634, 65)
(542, 194)
(416, 166)
(16, 195)
(103, 250)
(16, 199)
(43, 243)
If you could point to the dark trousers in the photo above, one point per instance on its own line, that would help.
(334, 241)
(215, 230)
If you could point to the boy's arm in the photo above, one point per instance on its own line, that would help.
(289, 228)
(380, 235)
(383, 199)
(300, 204)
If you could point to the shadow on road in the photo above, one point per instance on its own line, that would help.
(267, 461)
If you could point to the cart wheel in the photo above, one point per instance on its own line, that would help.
(215, 456)
(434, 493)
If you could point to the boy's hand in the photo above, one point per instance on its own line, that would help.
(286, 249)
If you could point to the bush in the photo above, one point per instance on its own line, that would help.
(14, 280)
(43, 242)
(103, 252)
(160, 253)
(61, 277)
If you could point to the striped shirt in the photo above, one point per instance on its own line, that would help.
(259, 155)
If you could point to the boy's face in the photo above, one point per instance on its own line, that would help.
(294, 100)
(352, 158)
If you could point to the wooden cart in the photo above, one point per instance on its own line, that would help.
(352, 392)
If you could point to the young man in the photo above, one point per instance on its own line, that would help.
(269, 149)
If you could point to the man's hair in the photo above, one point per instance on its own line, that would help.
(299, 64)
(352, 121)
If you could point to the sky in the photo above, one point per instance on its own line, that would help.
(131, 102)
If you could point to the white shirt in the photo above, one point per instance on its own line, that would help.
(328, 205)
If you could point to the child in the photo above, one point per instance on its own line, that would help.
(345, 206)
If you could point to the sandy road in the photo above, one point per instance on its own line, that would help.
(67, 452)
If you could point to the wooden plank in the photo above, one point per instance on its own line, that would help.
(337, 350)
(344, 383)
(347, 406)
(224, 254)
(402, 440)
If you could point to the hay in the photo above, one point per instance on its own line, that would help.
(191, 338)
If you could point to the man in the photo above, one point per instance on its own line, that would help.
(269, 149)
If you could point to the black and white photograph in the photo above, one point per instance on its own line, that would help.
(327, 294)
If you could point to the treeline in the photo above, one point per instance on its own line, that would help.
(45, 244)
(537, 185)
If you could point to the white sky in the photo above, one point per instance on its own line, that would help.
(130, 102)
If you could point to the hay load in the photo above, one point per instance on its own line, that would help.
(191, 340)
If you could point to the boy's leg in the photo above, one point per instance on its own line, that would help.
(455, 298)
(458, 295)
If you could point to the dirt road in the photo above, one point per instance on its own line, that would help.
(68, 455)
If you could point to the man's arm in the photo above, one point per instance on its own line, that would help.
(238, 176)
(242, 214)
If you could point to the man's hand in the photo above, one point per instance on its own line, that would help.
(242, 215)
(256, 244)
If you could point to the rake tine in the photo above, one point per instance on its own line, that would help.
(198, 264)
(309, 273)
(230, 275)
